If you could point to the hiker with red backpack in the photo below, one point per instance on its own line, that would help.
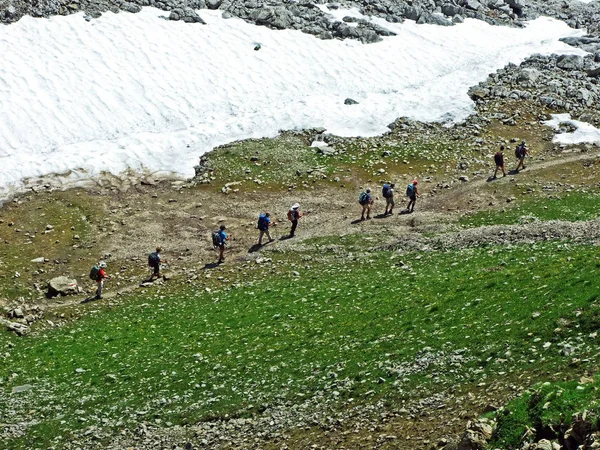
(521, 152)
(412, 192)
(388, 193)
(499, 160)
(98, 274)
(264, 222)
(154, 261)
(293, 216)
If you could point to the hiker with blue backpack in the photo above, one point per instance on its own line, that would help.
(264, 222)
(219, 238)
(154, 260)
(388, 193)
(521, 151)
(365, 200)
(412, 192)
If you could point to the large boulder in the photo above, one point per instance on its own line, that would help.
(62, 286)
(569, 62)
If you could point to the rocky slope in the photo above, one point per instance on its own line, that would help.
(306, 16)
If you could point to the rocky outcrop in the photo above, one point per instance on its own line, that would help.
(561, 83)
(306, 16)
(62, 286)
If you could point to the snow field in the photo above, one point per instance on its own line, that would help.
(135, 91)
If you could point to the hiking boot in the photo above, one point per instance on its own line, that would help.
(271, 240)
(362, 218)
(368, 217)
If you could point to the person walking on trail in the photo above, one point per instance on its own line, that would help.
(264, 222)
(412, 192)
(366, 201)
(521, 152)
(293, 216)
(100, 277)
(154, 261)
(221, 239)
(388, 193)
(499, 160)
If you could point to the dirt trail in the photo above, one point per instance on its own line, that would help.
(332, 212)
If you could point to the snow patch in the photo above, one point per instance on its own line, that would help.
(584, 131)
(136, 92)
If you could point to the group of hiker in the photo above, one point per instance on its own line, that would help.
(521, 151)
(365, 199)
(220, 237)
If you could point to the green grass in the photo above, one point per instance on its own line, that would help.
(547, 408)
(570, 207)
(349, 330)
(69, 213)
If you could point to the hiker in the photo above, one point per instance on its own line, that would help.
(100, 275)
(499, 160)
(520, 153)
(154, 261)
(412, 192)
(365, 200)
(264, 222)
(220, 242)
(293, 216)
(388, 193)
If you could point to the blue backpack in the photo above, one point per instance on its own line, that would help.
(263, 224)
(410, 190)
(385, 191)
(153, 259)
(363, 198)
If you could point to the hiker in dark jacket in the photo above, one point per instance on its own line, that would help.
(154, 261)
(294, 215)
(264, 222)
(521, 152)
(499, 160)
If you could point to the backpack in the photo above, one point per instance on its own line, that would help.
(386, 191)
(519, 150)
(363, 198)
(262, 222)
(410, 190)
(95, 272)
(293, 215)
(216, 238)
(153, 259)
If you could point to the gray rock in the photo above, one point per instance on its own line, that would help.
(528, 75)
(41, 259)
(22, 388)
(569, 62)
(350, 101)
(131, 7)
(213, 4)
(472, 5)
(62, 286)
